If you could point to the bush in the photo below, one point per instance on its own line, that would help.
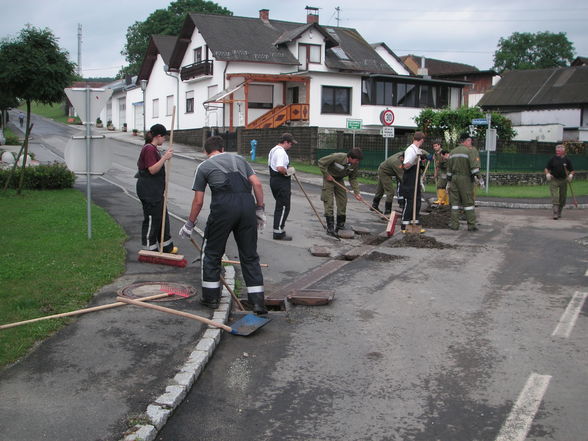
(42, 177)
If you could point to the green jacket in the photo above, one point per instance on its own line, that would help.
(463, 161)
(393, 165)
(337, 166)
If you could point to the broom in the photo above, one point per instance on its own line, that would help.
(159, 257)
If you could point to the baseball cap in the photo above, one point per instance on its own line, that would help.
(288, 137)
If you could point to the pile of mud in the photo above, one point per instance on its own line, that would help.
(418, 241)
(376, 256)
(438, 217)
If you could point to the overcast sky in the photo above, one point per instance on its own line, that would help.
(462, 31)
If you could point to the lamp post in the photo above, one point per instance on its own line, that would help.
(144, 88)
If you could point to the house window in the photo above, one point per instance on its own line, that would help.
(384, 93)
(308, 53)
(336, 100)
(198, 54)
(190, 101)
(155, 113)
(169, 106)
(261, 96)
(406, 94)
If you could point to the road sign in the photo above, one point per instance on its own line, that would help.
(98, 98)
(479, 122)
(387, 132)
(354, 124)
(387, 117)
(76, 155)
(491, 140)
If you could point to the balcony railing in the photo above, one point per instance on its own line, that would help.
(196, 70)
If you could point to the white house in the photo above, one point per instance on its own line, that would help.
(226, 71)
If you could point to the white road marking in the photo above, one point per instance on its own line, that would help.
(521, 416)
(586, 273)
(570, 315)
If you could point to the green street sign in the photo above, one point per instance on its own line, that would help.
(354, 124)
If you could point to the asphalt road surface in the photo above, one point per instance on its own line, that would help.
(482, 338)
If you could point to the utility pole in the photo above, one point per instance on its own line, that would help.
(80, 50)
(338, 17)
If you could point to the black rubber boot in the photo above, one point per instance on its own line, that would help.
(258, 302)
(388, 208)
(376, 204)
(209, 302)
(331, 226)
(340, 223)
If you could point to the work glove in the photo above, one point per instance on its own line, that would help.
(260, 214)
(481, 182)
(570, 177)
(290, 171)
(186, 230)
(548, 176)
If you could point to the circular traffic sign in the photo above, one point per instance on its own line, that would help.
(387, 117)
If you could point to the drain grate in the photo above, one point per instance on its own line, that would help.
(178, 291)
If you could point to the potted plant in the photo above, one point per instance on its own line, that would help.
(109, 125)
(124, 127)
(135, 132)
(99, 123)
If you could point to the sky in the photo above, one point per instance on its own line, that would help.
(461, 31)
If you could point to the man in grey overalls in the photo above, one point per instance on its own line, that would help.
(232, 209)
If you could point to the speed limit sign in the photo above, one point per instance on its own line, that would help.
(387, 117)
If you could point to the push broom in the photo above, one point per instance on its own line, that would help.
(159, 257)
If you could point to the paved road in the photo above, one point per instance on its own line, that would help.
(466, 342)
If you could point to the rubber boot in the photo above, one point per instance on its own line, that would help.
(331, 227)
(256, 299)
(210, 302)
(340, 222)
(376, 204)
(556, 212)
(439, 197)
(388, 208)
(444, 197)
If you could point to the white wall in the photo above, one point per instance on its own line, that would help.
(543, 133)
(391, 61)
(159, 87)
(567, 117)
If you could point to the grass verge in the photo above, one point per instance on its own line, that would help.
(49, 265)
(53, 111)
(499, 191)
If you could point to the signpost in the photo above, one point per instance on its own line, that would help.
(88, 104)
(480, 121)
(354, 124)
(387, 132)
(387, 117)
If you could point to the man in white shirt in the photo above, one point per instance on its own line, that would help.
(280, 173)
(412, 160)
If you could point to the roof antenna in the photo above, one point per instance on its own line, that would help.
(338, 17)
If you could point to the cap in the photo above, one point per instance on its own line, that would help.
(465, 136)
(158, 129)
(287, 137)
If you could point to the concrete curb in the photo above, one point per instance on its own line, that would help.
(158, 412)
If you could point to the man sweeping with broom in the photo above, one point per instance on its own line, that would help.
(233, 209)
(150, 190)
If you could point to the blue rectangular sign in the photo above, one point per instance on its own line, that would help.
(480, 122)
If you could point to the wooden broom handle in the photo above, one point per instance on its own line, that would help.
(81, 311)
(175, 312)
(167, 172)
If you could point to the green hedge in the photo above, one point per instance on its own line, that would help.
(42, 177)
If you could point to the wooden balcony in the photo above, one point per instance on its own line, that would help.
(280, 115)
(195, 70)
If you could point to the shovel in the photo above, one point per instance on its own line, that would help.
(244, 326)
(413, 228)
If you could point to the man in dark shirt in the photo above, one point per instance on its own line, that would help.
(558, 172)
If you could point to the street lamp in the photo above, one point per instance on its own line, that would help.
(144, 88)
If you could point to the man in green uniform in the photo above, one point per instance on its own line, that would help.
(334, 168)
(440, 158)
(388, 169)
(558, 172)
(462, 170)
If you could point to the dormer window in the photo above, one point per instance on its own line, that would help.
(308, 53)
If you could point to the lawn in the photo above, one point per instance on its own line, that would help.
(49, 265)
(52, 111)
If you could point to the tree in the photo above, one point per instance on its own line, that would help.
(34, 68)
(448, 124)
(161, 22)
(524, 50)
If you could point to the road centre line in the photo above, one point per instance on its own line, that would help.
(570, 315)
(521, 416)
(586, 273)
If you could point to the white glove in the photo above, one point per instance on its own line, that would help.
(186, 230)
(290, 171)
(260, 214)
(570, 177)
(548, 176)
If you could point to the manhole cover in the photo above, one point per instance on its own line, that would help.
(177, 291)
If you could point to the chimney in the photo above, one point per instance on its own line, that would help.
(312, 15)
(423, 70)
(264, 15)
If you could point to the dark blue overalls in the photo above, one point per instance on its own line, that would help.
(232, 209)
